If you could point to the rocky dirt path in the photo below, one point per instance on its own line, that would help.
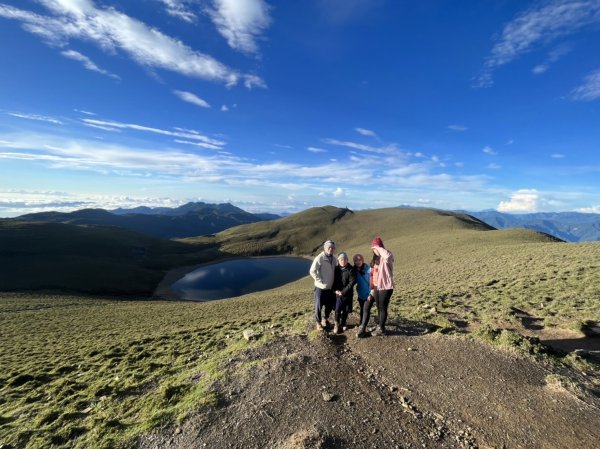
(407, 390)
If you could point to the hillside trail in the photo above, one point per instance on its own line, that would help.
(409, 389)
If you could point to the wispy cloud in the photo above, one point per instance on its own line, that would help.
(191, 98)
(365, 132)
(84, 112)
(524, 200)
(88, 63)
(224, 108)
(493, 166)
(63, 153)
(241, 23)
(114, 31)
(388, 149)
(182, 134)
(489, 150)
(179, 9)
(541, 24)
(553, 57)
(316, 150)
(37, 117)
(589, 90)
(557, 156)
(459, 128)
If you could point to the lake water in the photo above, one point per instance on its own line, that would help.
(239, 276)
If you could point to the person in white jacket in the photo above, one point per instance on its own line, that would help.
(322, 271)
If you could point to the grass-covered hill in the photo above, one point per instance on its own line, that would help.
(90, 259)
(85, 372)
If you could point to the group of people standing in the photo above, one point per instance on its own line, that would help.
(335, 281)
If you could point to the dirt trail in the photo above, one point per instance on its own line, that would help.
(407, 390)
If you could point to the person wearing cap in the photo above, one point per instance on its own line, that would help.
(322, 271)
(343, 285)
(382, 287)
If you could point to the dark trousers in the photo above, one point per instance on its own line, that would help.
(323, 299)
(382, 298)
(361, 306)
(343, 306)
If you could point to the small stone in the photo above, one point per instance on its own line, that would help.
(250, 334)
(393, 388)
(433, 311)
(327, 397)
(87, 410)
(411, 349)
(177, 430)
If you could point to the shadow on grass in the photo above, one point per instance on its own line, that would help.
(409, 328)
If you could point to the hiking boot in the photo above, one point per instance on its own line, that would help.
(360, 332)
(319, 327)
(324, 323)
(336, 328)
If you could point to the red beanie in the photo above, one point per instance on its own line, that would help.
(377, 242)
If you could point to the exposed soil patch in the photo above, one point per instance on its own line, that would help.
(409, 389)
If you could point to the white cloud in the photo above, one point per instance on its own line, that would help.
(553, 57)
(179, 9)
(316, 150)
(589, 210)
(224, 108)
(84, 112)
(180, 133)
(37, 117)
(557, 156)
(489, 150)
(252, 81)
(457, 127)
(241, 23)
(493, 166)
(365, 132)
(538, 25)
(589, 90)
(19, 202)
(191, 98)
(389, 149)
(114, 31)
(339, 192)
(87, 63)
(524, 200)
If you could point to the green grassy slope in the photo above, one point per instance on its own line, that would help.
(94, 373)
(94, 259)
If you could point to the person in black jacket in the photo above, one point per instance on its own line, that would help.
(343, 284)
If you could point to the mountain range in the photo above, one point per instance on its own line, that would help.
(191, 219)
(567, 226)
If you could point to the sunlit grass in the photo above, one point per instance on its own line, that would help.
(83, 372)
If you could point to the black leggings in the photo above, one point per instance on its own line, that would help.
(382, 298)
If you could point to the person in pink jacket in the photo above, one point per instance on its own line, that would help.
(382, 287)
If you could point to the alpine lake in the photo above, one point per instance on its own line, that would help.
(238, 277)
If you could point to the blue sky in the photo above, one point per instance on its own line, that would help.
(281, 106)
